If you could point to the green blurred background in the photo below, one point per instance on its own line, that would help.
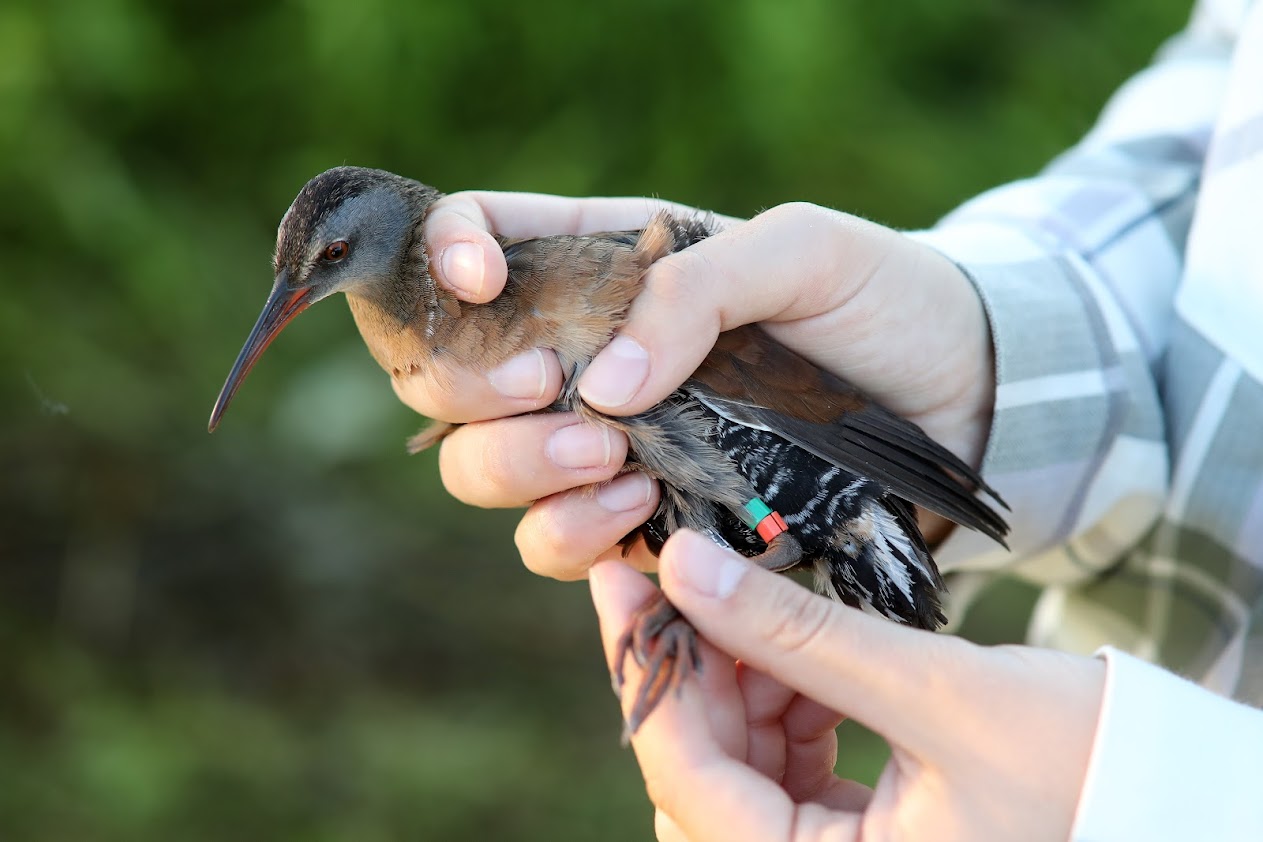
(288, 630)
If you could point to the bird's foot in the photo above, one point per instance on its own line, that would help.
(664, 645)
(783, 552)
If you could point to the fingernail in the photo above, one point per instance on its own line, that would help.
(463, 267)
(580, 446)
(708, 568)
(630, 491)
(616, 374)
(524, 376)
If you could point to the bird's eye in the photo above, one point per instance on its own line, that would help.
(336, 251)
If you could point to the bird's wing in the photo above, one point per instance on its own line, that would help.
(753, 380)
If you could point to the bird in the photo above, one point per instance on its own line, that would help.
(760, 449)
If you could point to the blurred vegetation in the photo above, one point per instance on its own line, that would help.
(287, 630)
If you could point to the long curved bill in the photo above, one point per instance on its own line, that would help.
(282, 306)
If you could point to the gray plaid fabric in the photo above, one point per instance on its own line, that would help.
(1124, 287)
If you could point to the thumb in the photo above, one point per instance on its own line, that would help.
(465, 257)
(871, 669)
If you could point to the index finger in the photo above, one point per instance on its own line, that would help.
(471, 218)
(542, 214)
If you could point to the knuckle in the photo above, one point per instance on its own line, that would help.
(435, 391)
(413, 392)
(545, 545)
(794, 213)
(495, 461)
(527, 539)
(475, 468)
(458, 212)
(800, 620)
(670, 279)
(683, 277)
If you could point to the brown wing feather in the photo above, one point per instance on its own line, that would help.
(748, 366)
(751, 379)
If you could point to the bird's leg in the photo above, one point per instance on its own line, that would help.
(664, 644)
(783, 552)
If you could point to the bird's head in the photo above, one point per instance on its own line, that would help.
(348, 230)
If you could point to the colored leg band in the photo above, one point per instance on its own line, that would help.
(771, 526)
(760, 517)
(755, 511)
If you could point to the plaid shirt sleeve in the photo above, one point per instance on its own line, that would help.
(1124, 289)
(1103, 388)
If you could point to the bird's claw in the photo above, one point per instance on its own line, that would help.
(664, 645)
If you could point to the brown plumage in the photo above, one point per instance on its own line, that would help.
(756, 429)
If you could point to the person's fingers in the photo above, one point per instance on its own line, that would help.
(715, 683)
(766, 700)
(940, 702)
(465, 257)
(811, 748)
(512, 462)
(792, 738)
(637, 557)
(796, 264)
(707, 795)
(844, 795)
(541, 214)
(827, 651)
(525, 383)
(560, 536)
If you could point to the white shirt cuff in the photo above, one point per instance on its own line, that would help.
(1170, 760)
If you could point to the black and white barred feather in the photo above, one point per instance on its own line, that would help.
(861, 542)
(843, 472)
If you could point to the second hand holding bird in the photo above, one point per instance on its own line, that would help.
(857, 299)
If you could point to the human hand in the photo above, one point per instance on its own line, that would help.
(987, 743)
(883, 311)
